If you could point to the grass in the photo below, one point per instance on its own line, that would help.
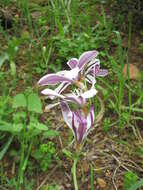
(41, 38)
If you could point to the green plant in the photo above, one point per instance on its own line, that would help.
(106, 124)
(130, 179)
(45, 154)
(51, 187)
(28, 107)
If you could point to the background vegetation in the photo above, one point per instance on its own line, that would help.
(39, 37)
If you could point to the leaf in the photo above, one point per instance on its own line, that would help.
(137, 185)
(51, 133)
(130, 179)
(19, 101)
(4, 126)
(101, 183)
(17, 127)
(68, 153)
(5, 148)
(8, 127)
(34, 103)
(40, 126)
(13, 68)
(3, 58)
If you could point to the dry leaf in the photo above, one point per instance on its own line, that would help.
(133, 71)
(101, 183)
(85, 166)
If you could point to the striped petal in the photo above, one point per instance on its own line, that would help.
(91, 65)
(62, 76)
(102, 72)
(62, 87)
(67, 114)
(72, 63)
(53, 79)
(90, 120)
(86, 57)
(90, 117)
(80, 125)
(90, 79)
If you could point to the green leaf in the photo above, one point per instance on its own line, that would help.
(130, 178)
(34, 103)
(19, 101)
(137, 185)
(13, 68)
(8, 127)
(17, 127)
(40, 126)
(3, 58)
(50, 133)
(67, 153)
(5, 147)
(4, 126)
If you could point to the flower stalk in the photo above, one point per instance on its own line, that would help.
(74, 172)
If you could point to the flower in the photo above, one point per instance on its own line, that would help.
(78, 97)
(86, 67)
(78, 121)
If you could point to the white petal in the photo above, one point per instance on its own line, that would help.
(49, 106)
(73, 73)
(62, 87)
(51, 93)
(89, 94)
(91, 80)
(67, 114)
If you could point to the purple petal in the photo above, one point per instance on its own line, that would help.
(96, 70)
(72, 63)
(62, 76)
(102, 72)
(81, 125)
(52, 79)
(92, 64)
(73, 126)
(67, 114)
(81, 131)
(86, 57)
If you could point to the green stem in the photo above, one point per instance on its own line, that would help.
(74, 173)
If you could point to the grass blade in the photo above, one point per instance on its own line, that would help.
(5, 148)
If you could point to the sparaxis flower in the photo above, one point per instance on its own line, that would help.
(78, 121)
(87, 67)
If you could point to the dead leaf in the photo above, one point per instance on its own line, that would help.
(101, 183)
(133, 71)
(85, 166)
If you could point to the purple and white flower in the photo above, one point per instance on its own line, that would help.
(77, 121)
(87, 67)
(77, 97)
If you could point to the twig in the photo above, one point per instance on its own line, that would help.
(114, 174)
(46, 178)
(120, 163)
